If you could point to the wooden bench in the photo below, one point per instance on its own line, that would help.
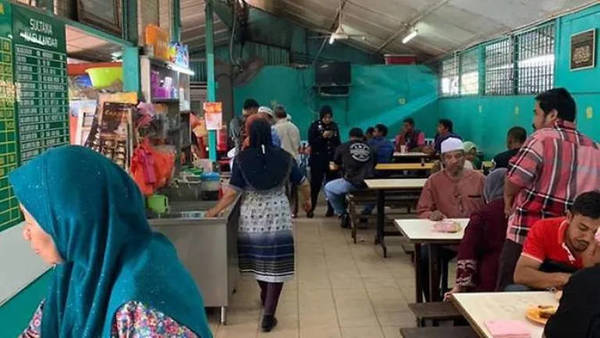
(438, 332)
(435, 312)
(359, 199)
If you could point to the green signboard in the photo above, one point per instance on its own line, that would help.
(9, 207)
(34, 104)
(41, 82)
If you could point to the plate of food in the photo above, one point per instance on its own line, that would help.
(541, 313)
(447, 226)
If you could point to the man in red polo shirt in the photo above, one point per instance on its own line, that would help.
(557, 247)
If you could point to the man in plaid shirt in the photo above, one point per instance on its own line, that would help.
(556, 164)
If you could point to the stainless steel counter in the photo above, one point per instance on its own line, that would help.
(208, 249)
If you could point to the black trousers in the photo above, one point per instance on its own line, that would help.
(511, 251)
(319, 173)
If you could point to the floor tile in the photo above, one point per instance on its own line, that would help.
(362, 332)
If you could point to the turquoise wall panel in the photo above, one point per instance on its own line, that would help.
(16, 313)
(379, 94)
(578, 81)
(486, 119)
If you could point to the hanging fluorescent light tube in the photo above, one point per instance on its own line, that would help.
(331, 39)
(410, 36)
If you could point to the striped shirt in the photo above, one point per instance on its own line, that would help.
(552, 168)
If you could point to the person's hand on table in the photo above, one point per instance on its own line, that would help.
(436, 216)
(455, 289)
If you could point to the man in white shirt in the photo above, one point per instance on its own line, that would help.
(288, 133)
(290, 141)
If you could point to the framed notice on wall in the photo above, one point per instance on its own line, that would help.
(583, 50)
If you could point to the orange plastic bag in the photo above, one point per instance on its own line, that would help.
(151, 169)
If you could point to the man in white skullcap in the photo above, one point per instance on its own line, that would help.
(453, 192)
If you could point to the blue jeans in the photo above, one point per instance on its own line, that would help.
(336, 191)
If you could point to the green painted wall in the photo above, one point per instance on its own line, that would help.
(486, 119)
(375, 96)
(16, 313)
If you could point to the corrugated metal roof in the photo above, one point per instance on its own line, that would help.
(443, 25)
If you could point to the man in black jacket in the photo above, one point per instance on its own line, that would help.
(514, 141)
(323, 138)
(357, 161)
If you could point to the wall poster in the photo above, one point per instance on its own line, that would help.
(583, 50)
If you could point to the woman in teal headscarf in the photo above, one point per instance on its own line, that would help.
(114, 277)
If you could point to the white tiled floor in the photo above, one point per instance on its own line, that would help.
(341, 289)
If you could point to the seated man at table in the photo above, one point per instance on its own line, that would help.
(453, 192)
(357, 161)
(514, 141)
(556, 247)
(412, 138)
(445, 130)
(384, 149)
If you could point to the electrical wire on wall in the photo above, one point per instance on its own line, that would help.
(235, 61)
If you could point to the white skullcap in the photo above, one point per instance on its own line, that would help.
(452, 144)
(266, 110)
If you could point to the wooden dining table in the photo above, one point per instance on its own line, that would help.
(414, 157)
(478, 308)
(403, 166)
(420, 232)
(383, 186)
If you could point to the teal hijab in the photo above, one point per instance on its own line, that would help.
(95, 214)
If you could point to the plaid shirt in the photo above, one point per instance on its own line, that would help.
(553, 167)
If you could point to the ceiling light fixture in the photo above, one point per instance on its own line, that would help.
(410, 36)
(331, 39)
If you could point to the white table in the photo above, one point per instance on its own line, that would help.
(480, 307)
(415, 154)
(419, 232)
(383, 185)
(396, 183)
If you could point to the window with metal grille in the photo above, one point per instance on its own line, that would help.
(499, 68)
(449, 78)
(535, 60)
(469, 72)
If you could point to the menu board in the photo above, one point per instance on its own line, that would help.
(9, 207)
(41, 82)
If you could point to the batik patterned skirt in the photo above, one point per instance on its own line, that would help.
(265, 237)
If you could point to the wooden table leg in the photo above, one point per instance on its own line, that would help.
(434, 273)
(381, 221)
(418, 274)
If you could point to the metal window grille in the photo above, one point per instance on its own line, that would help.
(535, 60)
(449, 78)
(469, 72)
(499, 68)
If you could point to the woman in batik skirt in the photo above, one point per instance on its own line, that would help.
(265, 234)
